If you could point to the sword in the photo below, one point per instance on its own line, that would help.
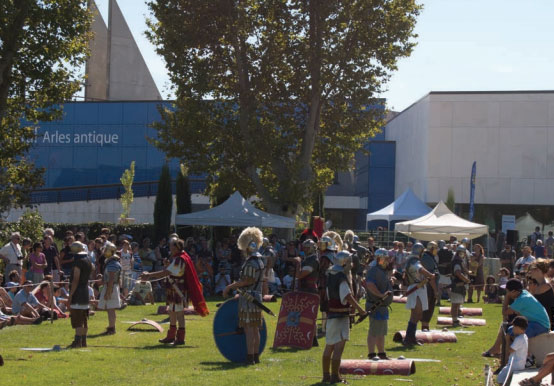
(373, 308)
(255, 301)
(414, 289)
(177, 289)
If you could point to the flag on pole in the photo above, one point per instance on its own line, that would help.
(472, 191)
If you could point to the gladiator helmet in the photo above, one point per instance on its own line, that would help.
(381, 253)
(461, 250)
(465, 240)
(250, 240)
(349, 237)
(342, 258)
(442, 244)
(325, 242)
(77, 248)
(336, 238)
(417, 249)
(309, 246)
(432, 246)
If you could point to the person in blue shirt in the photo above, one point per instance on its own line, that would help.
(520, 302)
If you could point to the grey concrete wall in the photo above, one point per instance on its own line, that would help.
(96, 86)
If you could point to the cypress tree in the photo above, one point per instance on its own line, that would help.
(163, 205)
(182, 191)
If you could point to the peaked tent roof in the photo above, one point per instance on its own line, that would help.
(235, 211)
(440, 222)
(406, 207)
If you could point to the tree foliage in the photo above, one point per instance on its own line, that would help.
(163, 205)
(42, 45)
(127, 198)
(290, 83)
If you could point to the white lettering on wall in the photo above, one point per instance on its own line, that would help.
(90, 138)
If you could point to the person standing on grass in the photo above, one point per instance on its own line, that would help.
(460, 279)
(38, 263)
(429, 262)
(418, 278)
(12, 255)
(379, 289)
(109, 299)
(181, 283)
(250, 281)
(78, 300)
(338, 323)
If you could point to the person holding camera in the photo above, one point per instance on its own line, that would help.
(11, 253)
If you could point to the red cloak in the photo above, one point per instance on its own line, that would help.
(194, 288)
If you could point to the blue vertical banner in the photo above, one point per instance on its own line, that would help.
(472, 191)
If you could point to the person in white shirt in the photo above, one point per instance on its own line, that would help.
(524, 261)
(12, 255)
(518, 350)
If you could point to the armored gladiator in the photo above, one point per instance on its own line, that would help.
(417, 278)
(328, 248)
(181, 283)
(250, 287)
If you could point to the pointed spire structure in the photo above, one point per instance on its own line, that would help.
(116, 69)
(96, 87)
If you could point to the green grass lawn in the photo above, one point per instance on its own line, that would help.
(137, 358)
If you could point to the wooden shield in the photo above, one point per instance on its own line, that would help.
(297, 320)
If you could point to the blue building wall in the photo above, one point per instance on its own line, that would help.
(96, 141)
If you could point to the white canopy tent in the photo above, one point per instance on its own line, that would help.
(439, 223)
(406, 207)
(235, 211)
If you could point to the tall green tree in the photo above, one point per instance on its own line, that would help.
(291, 83)
(182, 191)
(127, 197)
(163, 205)
(42, 45)
(450, 200)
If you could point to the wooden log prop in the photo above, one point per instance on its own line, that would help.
(465, 311)
(541, 345)
(444, 321)
(399, 299)
(269, 298)
(428, 337)
(380, 367)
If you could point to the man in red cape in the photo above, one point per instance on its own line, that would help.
(181, 284)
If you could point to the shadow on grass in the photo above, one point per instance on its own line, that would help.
(402, 348)
(222, 365)
(153, 347)
(285, 349)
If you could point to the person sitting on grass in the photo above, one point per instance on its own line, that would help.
(518, 350)
(142, 293)
(491, 291)
(520, 302)
(43, 296)
(26, 304)
(546, 368)
(11, 320)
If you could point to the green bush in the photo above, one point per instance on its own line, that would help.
(30, 225)
(92, 230)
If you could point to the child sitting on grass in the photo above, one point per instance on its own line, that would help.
(518, 350)
(491, 291)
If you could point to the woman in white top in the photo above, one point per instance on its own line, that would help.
(126, 262)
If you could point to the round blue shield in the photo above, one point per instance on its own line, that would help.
(229, 338)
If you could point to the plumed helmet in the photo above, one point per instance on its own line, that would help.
(109, 249)
(265, 242)
(325, 242)
(465, 240)
(461, 249)
(356, 239)
(349, 237)
(442, 244)
(250, 239)
(310, 246)
(336, 238)
(77, 247)
(342, 258)
(417, 249)
(381, 252)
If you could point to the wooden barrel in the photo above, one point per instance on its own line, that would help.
(463, 321)
(381, 367)
(465, 311)
(428, 337)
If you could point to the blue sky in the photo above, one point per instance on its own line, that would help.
(463, 45)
